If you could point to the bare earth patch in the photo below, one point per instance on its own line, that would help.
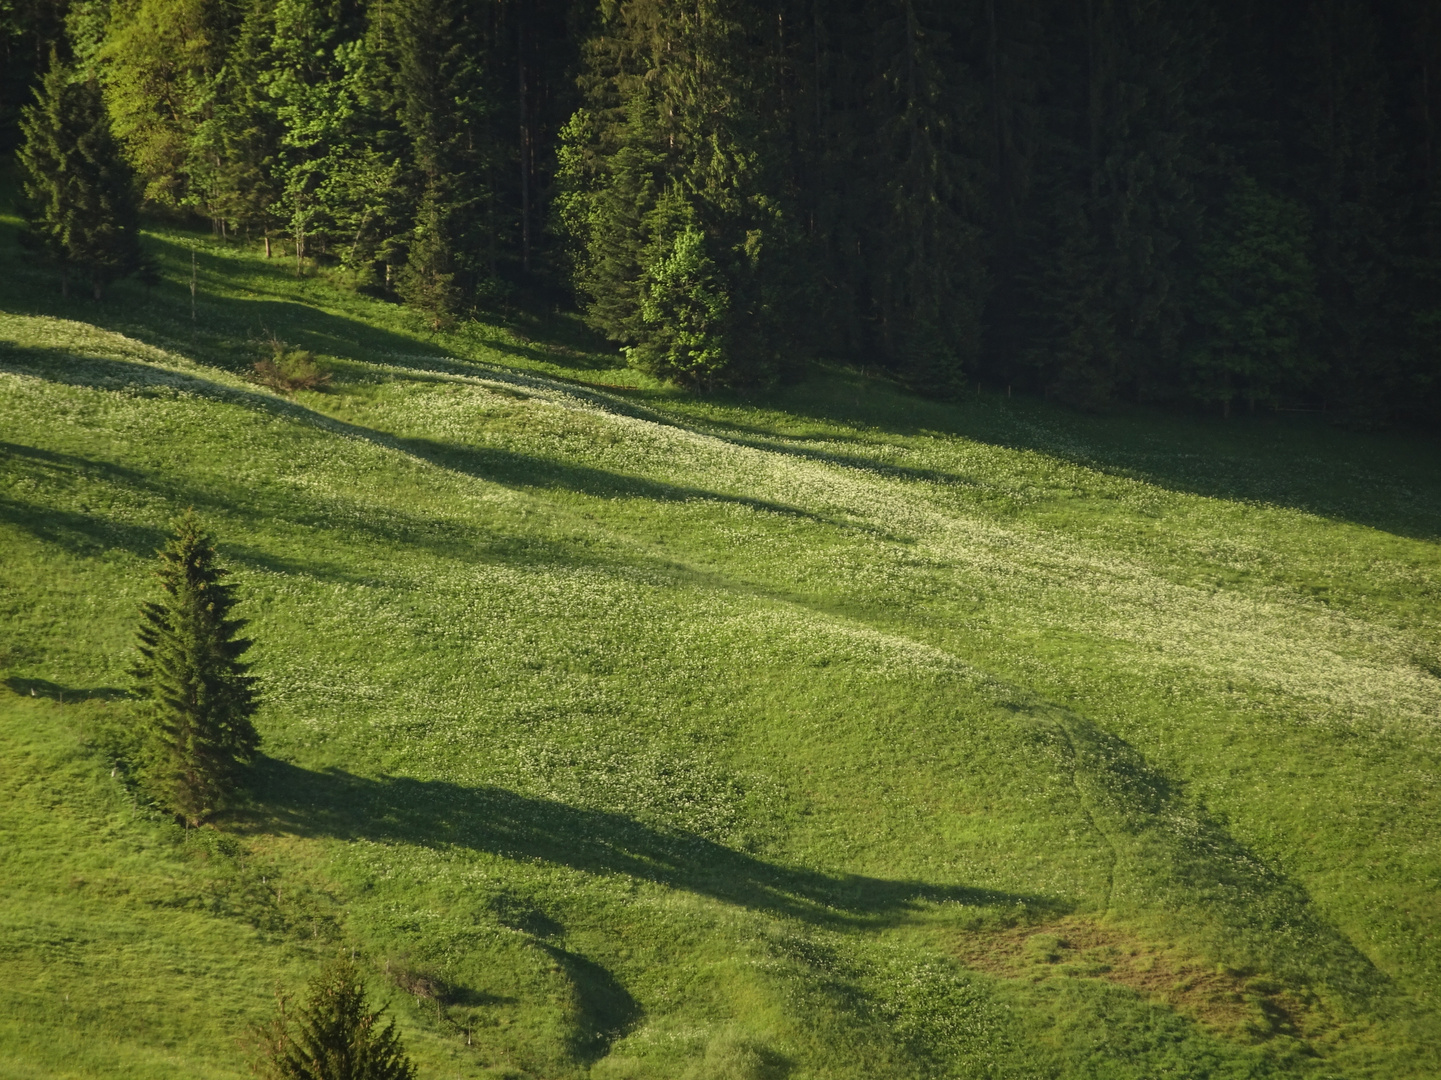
(1232, 1002)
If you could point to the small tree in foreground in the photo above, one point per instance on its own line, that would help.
(334, 1035)
(79, 192)
(196, 698)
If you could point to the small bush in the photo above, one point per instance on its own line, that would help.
(335, 1035)
(417, 981)
(289, 369)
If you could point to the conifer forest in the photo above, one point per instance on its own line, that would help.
(1221, 202)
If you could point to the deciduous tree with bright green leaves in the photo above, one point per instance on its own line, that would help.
(196, 697)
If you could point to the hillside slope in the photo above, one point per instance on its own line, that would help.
(626, 734)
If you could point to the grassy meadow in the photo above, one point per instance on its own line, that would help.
(621, 733)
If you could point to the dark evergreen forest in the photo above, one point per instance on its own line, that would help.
(1222, 203)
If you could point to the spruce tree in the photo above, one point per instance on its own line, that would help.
(79, 192)
(313, 68)
(335, 1035)
(672, 191)
(240, 138)
(443, 102)
(1254, 301)
(927, 272)
(428, 279)
(196, 696)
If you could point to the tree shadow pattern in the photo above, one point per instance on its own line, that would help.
(1171, 854)
(434, 813)
(44, 688)
(492, 464)
(497, 821)
(1177, 452)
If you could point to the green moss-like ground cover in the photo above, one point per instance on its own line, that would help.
(627, 734)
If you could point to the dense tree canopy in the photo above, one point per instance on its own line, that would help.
(79, 195)
(1218, 201)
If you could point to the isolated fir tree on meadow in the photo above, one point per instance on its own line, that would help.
(196, 697)
(79, 191)
(334, 1036)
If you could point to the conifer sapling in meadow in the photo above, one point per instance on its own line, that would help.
(335, 1035)
(196, 696)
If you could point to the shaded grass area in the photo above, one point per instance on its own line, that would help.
(628, 734)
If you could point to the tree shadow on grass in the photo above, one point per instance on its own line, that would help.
(513, 469)
(549, 353)
(80, 533)
(1173, 854)
(494, 464)
(1386, 480)
(494, 820)
(44, 688)
(605, 1009)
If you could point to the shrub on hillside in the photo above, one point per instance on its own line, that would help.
(335, 1035)
(291, 369)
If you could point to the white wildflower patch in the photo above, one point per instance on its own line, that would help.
(1335, 666)
(839, 652)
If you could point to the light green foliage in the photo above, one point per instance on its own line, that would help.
(314, 78)
(671, 187)
(630, 734)
(235, 147)
(683, 308)
(158, 62)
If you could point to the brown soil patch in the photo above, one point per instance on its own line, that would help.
(1237, 1003)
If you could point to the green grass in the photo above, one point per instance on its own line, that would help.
(623, 733)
